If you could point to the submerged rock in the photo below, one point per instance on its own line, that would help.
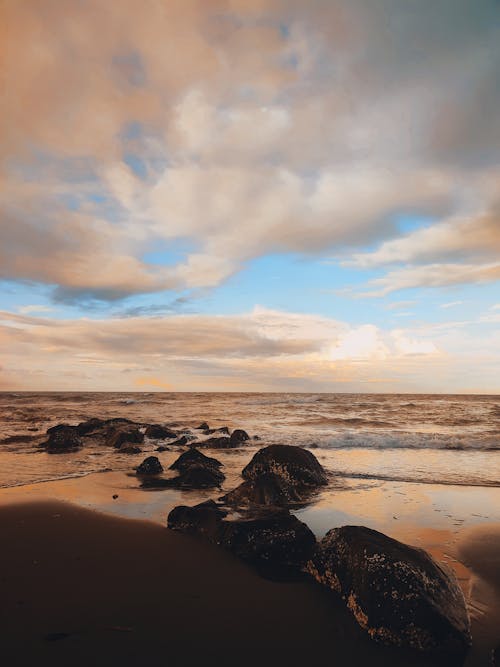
(127, 448)
(203, 427)
(276, 542)
(192, 457)
(396, 592)
(268, 489)
(62, 439)
(150, 466)
(159, 432)
(222, 442)
(238, 436)
(295, 465)
(180, 442)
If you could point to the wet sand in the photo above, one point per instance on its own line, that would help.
(128, 591)
(84, 588)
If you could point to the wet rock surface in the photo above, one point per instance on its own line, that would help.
(150, 466)
(194, 477)
(119, 435)
(396, 592)
(296, 466)
(62, 439)
(191, 457)
(159, 432)
(238, 436)
(276, 542)
(266, 490)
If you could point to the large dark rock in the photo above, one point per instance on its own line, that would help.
(62, 439)
(238, 436)
(194, 457)
(118, 435)
(203, 427)
(90, 425)
(268, 489)
(194, 477)
(295, 465)
(222, 442)
(202, 519)
(159, 432)
(150, 466)
(396, 592)
(276, 542)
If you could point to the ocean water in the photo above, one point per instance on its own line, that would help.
(425, 439)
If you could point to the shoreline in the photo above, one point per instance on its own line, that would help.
(134, 593)
(93, 494)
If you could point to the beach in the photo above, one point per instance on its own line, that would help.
(92, 574)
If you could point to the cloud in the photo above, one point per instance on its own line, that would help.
(262, 349)
(27, 310)
(247, 128)
(451, 304)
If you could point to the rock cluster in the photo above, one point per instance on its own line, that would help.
(196, 471)
(398, 594)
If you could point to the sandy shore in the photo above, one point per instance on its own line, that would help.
(85, 588)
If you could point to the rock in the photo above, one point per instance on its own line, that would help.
(238, 436)
(159, 432)
(191, 457)
(222, 442)
(127, 448)
(62, 439)
(222, 429)
(194, 477)
(295, 465)
(202, 519)
(115, 496)
(118, 435)
(162, 448)
(396, 592)
(268, 489)
(203, 427)
(276, 542)
(150, 466)
(199, 476)
(90, 425)
(180, 442)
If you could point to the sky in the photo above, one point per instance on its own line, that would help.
(250, 195)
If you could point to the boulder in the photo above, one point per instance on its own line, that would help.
(162, 448)
(62, 439)
(90, 425)
(159, 432)
(202, 519)
(222, 442)
(268, 489)
(396, 592)
(295, 465)
(276, 542)
(192, 457)
(150, 466)
(195, 476)
(119, 434)
(238, 436)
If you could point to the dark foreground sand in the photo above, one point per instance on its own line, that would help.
(82, 588)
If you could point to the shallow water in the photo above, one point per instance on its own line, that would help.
(415, 438)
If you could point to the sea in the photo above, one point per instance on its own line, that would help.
(419, 438)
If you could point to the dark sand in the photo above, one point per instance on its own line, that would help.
(82, 588)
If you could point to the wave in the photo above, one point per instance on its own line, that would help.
(346, 421)
(418, 479)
